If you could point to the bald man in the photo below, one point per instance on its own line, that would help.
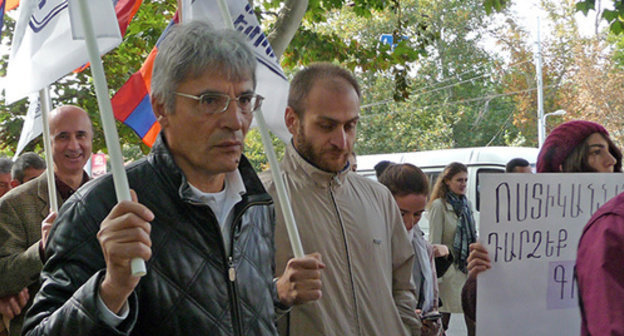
(23, 209)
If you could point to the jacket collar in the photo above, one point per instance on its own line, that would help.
(305, 171)
(163, 162)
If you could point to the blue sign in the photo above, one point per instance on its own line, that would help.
(388, 39)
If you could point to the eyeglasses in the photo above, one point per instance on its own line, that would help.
(212, 103)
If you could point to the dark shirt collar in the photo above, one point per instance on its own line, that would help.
(65, 190)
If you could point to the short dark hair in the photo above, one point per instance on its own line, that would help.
(25, 161)
(381, 166)
(304, 81)
(404, 179)
(517, 162)
(5, 165)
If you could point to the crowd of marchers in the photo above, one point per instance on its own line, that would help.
(218, 252)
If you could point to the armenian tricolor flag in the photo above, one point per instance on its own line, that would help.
(131, 104)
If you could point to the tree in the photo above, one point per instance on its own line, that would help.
(581, 75)
(454, 98)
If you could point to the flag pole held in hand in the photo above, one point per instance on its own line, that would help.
(120, 180)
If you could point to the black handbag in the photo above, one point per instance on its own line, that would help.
(442, 264)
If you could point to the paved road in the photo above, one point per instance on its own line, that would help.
(457, 327)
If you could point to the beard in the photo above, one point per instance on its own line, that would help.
(330, 160)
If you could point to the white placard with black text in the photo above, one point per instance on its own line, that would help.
(531, 225)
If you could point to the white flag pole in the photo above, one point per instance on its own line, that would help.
(44, 100)
(185, 6)
(289, 217)
(120, 180)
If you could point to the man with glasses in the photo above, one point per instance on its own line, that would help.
(204, 223)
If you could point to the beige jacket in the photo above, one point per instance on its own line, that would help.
(356, 226)
(442, 228)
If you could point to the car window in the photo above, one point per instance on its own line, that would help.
(478, 185)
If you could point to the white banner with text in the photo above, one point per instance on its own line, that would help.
(531, 225)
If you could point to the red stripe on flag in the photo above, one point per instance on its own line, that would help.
(129, 97)
(127, 100)
(126, 9)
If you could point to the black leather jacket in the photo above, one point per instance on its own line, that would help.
(192, 287)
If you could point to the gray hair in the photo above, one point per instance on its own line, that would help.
(190, 49)
(5, 165)
(25, 161)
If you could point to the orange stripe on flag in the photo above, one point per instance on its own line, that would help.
(151, 135)
(11, 4)
(146, 69)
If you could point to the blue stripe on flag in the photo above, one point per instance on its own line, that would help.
(142, 118)
(3, 3)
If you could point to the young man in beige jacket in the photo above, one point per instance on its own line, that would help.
(353, 222)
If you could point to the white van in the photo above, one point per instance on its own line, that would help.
(479, 160)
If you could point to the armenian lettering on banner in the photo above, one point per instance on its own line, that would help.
(531, 225)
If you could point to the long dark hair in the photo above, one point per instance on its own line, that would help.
(576, 161)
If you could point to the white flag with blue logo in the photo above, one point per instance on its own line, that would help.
(48, 42)
(272, 84)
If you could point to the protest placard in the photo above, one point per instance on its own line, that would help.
(531, 225)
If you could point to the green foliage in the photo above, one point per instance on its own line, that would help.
(494, 5)
(585, 6)
(318, 39)
(615, 16)
(254, 150)
(445, 108)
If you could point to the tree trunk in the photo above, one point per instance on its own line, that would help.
(288, 21)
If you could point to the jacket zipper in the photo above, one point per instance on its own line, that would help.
(231, 271)
(344, 237)
(236, 319)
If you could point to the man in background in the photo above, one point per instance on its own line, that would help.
(28, 166)
(5, 175)
(22, 210)
(518, 165)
